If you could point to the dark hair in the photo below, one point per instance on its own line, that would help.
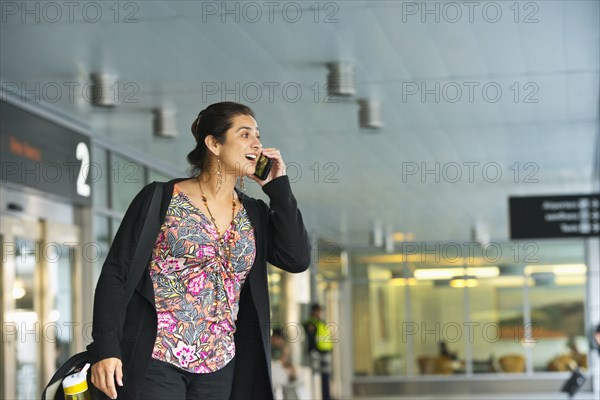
(315, 307)
(214, 120)
(277, 332)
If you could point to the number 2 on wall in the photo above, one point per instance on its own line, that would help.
(82, 153)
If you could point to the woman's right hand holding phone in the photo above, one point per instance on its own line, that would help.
(277, 169)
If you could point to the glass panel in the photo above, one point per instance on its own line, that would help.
(379, 318)
(329, 255)
(157, 176)
(497, 321)
(114, 227)
(60, 287)
(275, 280)
(102, 239)
(99, 176)
(438, 331)
(26, 320)
(557, 298)
(128, 179)
(517, 314)
(361, 321)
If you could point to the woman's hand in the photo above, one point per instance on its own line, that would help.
(277, 169)
(104, 374)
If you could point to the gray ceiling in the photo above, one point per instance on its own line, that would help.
(544, 125)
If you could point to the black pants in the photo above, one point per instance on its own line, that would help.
(164, 381)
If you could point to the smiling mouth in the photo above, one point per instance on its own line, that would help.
(251, 157)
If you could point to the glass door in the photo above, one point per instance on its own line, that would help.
(38, 269)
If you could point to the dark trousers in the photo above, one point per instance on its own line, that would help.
(321, 363)
(325, 386)
(164, 381)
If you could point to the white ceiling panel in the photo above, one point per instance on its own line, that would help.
(540, 132)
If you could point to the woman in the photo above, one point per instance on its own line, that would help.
(198, 324)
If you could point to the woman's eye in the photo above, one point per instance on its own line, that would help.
(245, 135)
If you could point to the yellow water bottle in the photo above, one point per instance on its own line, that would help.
(75, 385)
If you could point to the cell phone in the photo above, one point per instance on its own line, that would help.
(263, 167)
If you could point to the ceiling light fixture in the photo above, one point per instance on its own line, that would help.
(165, 124)
(105, 92)
(450, 273)
(340, 80)
(370, 114)
(464, 281)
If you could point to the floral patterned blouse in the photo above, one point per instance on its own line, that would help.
(196, 294)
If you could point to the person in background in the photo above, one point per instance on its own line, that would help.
(444, 352)
(280, 353)
(319, 346)
(282, 369)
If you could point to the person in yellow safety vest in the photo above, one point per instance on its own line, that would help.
(322, 336)
(319, 345)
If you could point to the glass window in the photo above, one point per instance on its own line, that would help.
(438, 330)
(496, 321)
(157, 176)
(440, 319)
(378, 306)
(25, 316)
(60, 286)
(276, 287)
(557, 296)
(99, 177)
(103, 239)
(127, 179)
(361, 321)
(114, 227)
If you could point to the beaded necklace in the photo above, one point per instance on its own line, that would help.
(221, 240)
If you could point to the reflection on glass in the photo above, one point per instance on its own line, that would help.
(127, 179)
(101, 238)
(439, 327)
(60, 274)
(493, 315)
(276, 290)
(156, 176)
(26, 320)
(496, 307)
(98, 175)
(557, 296)
(378, 324)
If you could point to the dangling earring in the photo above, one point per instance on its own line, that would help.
(220, 173)
(242, 184)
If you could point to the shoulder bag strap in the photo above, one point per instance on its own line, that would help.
(145, 242)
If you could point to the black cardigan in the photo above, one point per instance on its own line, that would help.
(129, 335)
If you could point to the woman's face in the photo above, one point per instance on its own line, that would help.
(242, 146)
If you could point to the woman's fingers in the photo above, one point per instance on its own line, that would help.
(104, 373)
(119, 374)
(278, 168)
